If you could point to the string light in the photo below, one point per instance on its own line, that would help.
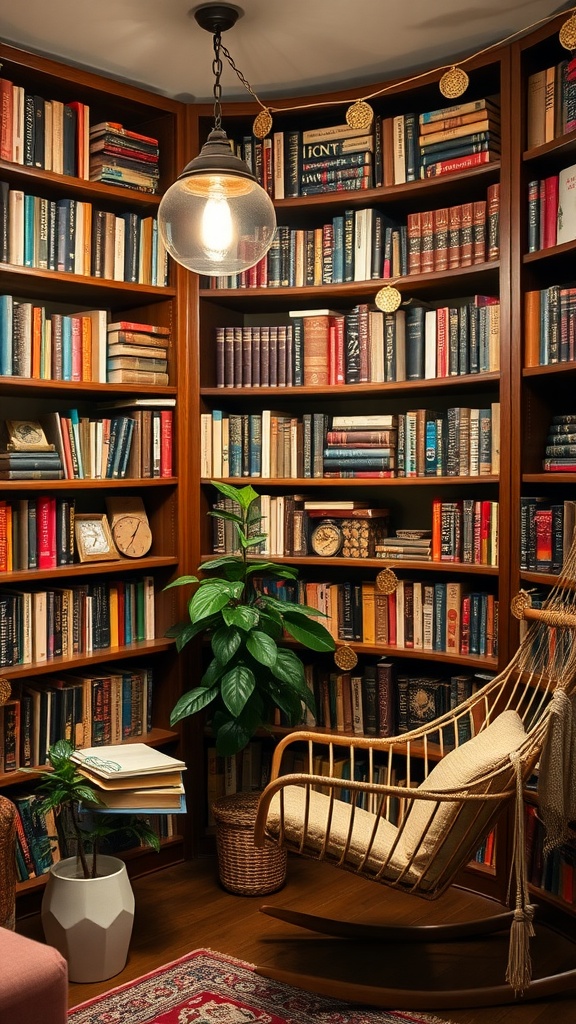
(453, 80)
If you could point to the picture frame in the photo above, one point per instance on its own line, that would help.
(94, 542)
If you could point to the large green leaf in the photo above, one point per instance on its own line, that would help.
(186, 632)
(270, 622)
(191, 702)
(251, 542)
(217, 563)
(272, 569)
(291, 704)
(213, 674)
(262, 648)
(285, 607)
(243, 495)
(309, 633)
(181, 581)
(289, 668)
(236, 687)
(225, 643)
(211, 597)
(242, 616)
(234, 732)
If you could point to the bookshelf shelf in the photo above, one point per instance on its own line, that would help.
(103, 393)
(344, 484)
(31, 283)
(148, 564)
(398, 565)
(465, 382)
(457, 282)
(88, 485)
(55, 184)
(107, 654)
(568, 368)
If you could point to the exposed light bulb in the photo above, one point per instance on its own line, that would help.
(217, 230)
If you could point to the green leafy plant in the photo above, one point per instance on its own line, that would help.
(64, 787)
(250, 673)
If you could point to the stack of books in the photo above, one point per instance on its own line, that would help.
(361, 446)
(335, 159)
(459, 137)
(25, 453)
(134, 777)
(560, 451)
(137, 353)
(407, 545)
(123, 158)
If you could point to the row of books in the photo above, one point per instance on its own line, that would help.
(36, 533)
(39, 625)
(123, 158)
(455, 236)
(560, 448)
(134, 442)
(552, 210)
(460, 442)
(87, 709)
(323, 347)
(46, 345)
(464, 530)
(365, 244)
(395, 150)
(550, 326)
(546, 533)
(73, 237)
(381, 699)
(44, 839)
(551, 99)
(444, 616)
(556, 871)
(39, 132)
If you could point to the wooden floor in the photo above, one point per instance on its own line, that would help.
(184, 908)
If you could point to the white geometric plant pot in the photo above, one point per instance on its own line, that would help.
(89, 920)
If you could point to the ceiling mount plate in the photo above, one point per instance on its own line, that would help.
(217, 17)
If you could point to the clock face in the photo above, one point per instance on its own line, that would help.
(93, 537)
(132, 536)
(326, 539)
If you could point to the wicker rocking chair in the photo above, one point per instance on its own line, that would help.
(519, 719)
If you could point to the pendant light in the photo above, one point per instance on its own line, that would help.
(216, 219)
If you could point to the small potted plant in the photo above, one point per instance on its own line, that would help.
(251, 673)
(88, 904)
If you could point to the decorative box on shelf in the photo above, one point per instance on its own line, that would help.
(348, 536)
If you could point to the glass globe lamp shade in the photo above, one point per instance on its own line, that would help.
(216, 219)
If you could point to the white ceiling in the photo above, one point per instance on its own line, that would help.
(281, 46)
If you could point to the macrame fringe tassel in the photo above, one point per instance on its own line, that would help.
(519, 971)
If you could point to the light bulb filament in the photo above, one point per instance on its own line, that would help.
(217, 229)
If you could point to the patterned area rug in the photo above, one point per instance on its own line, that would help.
(210, 988)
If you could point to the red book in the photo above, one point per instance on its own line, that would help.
(114, 128)
(166, 442)
(550, 210)
(127, 325)
(76, 325)
(465, 626)
(436, 547)
(6, 119)
(46, 531)
(3, 538)
(340, 327)
(121, 615)
(458, 163)
(413, 222)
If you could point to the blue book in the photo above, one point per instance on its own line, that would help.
(6, 335)
(28, 231)
(431, 448)
(415, 343)
(449, 152)
(66, 348)
(338, 250)
(255, 444)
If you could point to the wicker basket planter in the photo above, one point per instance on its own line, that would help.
(245, 869)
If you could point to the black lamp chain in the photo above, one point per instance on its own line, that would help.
(217, 69)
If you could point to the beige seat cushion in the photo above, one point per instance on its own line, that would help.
(294, 810)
